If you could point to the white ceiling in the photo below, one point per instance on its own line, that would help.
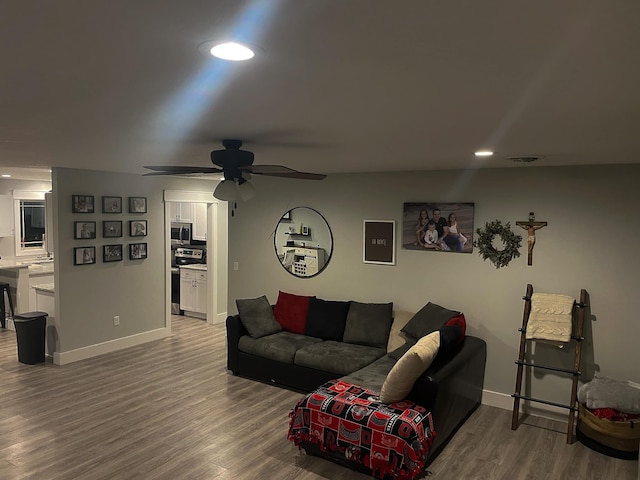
(342, 86)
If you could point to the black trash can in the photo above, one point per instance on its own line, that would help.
(30, 333)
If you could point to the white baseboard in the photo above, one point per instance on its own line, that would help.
(505, 401)
(63, 358)
(219, 318)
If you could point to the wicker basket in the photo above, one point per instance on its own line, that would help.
(622, 437)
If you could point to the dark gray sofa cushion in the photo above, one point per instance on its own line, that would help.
(368, 324)
(326, 319)
(256, 314)
(430, 318)
(372, 376)
(281, 346)
(337, 357)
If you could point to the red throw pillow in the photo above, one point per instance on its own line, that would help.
(291, 312)
(460, 321)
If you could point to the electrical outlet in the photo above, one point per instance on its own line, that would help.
(236, 267)
(116, 320)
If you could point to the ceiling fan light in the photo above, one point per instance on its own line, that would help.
(246, 190)
(226, 190)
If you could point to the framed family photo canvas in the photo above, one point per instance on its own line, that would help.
(438, 227)
(379, 242)
(137, 204)
(82, 204)
(112, 229)
(84, 230)
(111, 253)
(111, 204)
(84, 255)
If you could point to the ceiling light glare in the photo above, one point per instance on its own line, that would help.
(483, 153)
(232, 51)
(6, 175)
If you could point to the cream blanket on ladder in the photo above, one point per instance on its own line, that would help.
(550, 317)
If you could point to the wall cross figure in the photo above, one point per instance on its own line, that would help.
(531, 226)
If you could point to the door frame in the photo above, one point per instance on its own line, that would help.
(217, 251)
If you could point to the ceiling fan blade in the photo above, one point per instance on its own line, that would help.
(178, 170)
(281, 171)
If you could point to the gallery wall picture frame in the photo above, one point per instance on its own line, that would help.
(82, 204)
(379, 242)
(137, 228)
(137, 204)
(84, 230)
(137, 251)
(451, 232)
(112, 228)
(111, 204)
(112, 253)
(84, 255)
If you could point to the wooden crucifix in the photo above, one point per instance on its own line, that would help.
(531, 226)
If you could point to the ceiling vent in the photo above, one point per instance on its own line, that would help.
(525, 158)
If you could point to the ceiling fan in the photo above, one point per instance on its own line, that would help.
(234, 164)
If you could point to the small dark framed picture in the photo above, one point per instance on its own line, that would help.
(84, 230)
(137, 204)
(138, 228)
(111, 204)
(82, 204)
(111, 253)
(137, 251)
(112, 229)
(84, 255)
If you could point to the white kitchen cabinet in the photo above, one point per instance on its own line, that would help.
(35, 280)
(199, 227)
(6, 216)
(181, 212)
(193, 290)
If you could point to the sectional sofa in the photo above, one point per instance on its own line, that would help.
(303, 342)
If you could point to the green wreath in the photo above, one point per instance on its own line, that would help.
(484, 242)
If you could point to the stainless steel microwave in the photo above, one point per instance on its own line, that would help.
(180, 233)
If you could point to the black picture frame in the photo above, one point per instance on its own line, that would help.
(111, 204)
(112, 253)
(84, 230)
(137, 228)
(84, 255)
(379, 242)
(82, 204)
(112, 228)
(137, 251)
(137, 204)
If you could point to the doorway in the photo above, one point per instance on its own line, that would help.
(216, 245)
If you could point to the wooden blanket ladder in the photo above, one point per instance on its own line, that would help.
(577, 324)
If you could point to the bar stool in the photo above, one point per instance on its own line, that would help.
(4, 287)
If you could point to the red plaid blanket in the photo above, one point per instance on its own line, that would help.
(392, 440)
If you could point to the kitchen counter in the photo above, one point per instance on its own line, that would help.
(45, 287)
(197, 266)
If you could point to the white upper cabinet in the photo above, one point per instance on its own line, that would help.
(199, 227)
(181, 212)
(6, 216)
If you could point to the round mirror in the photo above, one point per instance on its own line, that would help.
(303, 242)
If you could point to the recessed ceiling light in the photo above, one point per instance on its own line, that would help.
(6, 175)
(484, 153)
(233, 51)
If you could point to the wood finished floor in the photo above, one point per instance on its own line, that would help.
(169, 410)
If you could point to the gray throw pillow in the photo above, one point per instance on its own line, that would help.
(368, 324)
(430, 318)
(256, 314)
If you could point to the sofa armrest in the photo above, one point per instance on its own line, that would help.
(235, 330)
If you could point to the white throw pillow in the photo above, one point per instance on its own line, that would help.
(411, 365)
